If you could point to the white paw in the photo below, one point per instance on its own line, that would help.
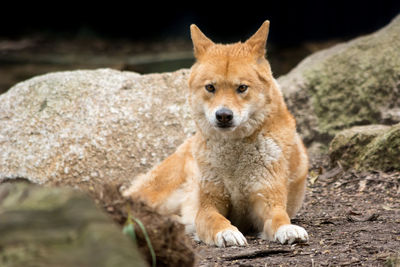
(290, 233)
(228, 238)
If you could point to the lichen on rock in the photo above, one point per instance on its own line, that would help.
(349, 84)
(42, 226)
(372, 147)
(91, 126)
(383, 152)
(356, 86)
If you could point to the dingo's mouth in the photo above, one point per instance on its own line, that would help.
(225, 126)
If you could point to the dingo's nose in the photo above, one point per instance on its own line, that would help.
(224, 116)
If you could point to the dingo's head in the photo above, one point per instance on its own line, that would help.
(231, 86)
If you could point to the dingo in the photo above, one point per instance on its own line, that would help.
(246, 166)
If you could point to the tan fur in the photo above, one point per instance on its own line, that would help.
(250, 176)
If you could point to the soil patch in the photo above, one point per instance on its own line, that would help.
(167, 237)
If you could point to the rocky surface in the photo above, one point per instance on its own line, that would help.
(91, 126)
(59, 227)
(372, 147)
(353, 83)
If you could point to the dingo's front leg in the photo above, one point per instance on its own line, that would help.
(270, 206)
(211, 225)
(279, 229)
(156, 187)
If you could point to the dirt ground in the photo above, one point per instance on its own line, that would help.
(353, 219)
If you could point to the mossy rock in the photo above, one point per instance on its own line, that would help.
(354, 86)
(372, 147)
(59, 227)
(350, 84)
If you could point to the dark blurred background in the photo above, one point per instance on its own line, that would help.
(152, 37)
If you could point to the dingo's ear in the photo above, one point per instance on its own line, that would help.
(200, 41)
(258, 41)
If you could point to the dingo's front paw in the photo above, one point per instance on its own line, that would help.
(290, 233)
(226, 238)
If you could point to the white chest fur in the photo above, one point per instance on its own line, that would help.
(242, 167)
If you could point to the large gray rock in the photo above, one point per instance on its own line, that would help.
(87, 127)
(353, 83)
(59, 227)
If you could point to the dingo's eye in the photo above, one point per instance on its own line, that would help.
(242, 88)
(210, 88)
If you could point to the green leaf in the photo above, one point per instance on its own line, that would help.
(129, 230)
